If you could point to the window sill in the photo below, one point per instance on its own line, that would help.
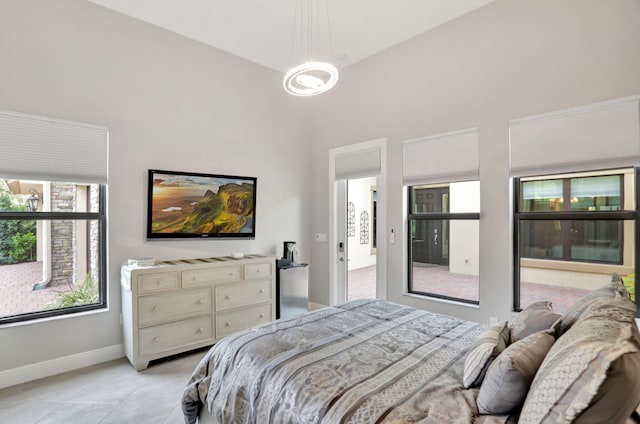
(440, 300)
(36, 321)
(596, 268)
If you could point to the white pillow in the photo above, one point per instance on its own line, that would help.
(487, 346)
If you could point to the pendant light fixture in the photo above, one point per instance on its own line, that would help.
(312, 76)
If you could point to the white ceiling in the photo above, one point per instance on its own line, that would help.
(262, 31)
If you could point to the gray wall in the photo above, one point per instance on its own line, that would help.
(169, 103)
(509, 59)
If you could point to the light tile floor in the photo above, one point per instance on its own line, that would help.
(108, 393)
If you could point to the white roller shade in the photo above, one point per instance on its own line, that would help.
(441, 158)
(358, 164)
(47, 149)
(598, 136)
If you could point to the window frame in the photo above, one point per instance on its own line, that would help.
(432, 216)
(99, 216)
(616, 215)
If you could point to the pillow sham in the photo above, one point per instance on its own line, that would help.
(487, 346)
(583, 374)
(507, 381)
(608, 291)
(536, 317)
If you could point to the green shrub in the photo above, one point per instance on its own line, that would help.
(11, 228)
(629, 282)
(85, 293)
(24, 245)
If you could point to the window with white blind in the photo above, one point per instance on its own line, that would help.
(53, 176)
(443, 213)
(575, 201)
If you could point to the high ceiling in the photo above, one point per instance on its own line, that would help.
(264, 31)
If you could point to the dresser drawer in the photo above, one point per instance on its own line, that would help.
(166, 307)
(194, 278)
(166, 337)
(232, 321)
(151, 283)
(241, 294)
(257, 270)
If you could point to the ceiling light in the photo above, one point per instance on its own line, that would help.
(312, 76)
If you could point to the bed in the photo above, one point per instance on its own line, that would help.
(372, 361)
(364, 361)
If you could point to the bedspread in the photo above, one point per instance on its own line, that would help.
(367, 361)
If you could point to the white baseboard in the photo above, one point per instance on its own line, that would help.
(43, 369)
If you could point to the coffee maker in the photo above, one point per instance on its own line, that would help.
(289, 251)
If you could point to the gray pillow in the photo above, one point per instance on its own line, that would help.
(487, 346)
(536, 317)
(575, 378)
(610, 290)
(507, 381)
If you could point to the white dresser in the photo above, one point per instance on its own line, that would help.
(180, 305)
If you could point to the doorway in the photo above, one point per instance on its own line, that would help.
(361, 230)
(350, 163)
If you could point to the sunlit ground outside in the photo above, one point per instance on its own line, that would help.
(438, 279)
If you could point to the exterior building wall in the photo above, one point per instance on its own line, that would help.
(62, 236)
(94, 232)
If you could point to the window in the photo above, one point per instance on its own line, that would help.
(53, 176)
(441, 174)
(444, 240)
(52, 249)
(575, 200)
(571, 232)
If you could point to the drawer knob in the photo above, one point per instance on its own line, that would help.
(158, 282)
(199, 302)
(258, 270)
(231, 274)
(261, 315)
(227, 324)
(199, 330)
(155, 309)
(227, 297)
(193, 278)
(261, 291)
(156, 340)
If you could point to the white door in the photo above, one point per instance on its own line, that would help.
(341, 248)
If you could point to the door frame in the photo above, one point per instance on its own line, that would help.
(337, 273)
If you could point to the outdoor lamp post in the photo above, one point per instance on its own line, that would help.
(32, 200)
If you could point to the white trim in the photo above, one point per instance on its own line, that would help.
(55, 366)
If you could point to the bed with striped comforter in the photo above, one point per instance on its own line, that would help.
(367, 361)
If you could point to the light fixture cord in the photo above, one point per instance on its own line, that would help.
(307, 22)
(329, 32)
